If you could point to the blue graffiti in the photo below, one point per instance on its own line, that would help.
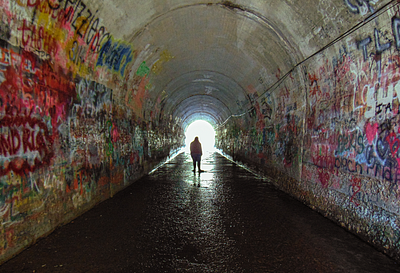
(115, 56)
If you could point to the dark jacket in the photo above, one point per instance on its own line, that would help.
(195, 147)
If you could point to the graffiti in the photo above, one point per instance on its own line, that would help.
(380, 102)
(374, 153)
(77, 54)
(9, 58)
(165, 56)
(322, 156)
(361, 7)
(266, 109)
(76, 14)
(65, 141)
(60, 29)
(37, 38)
(143, 70)
(314, 87)
(380, 47)
(291, 107)
(371, 131)
(93, 99)
(256, 110)
(324, 178)
(25, 143)
(115, 56)
(348, 135)
(356, 188)
(396, 31)
(362, 45)
(351, 142)
(34, 86)
(348, 165)
(84, 22)
(136, 96)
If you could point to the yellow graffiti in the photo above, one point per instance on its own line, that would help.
(21, 4)
(165, 56)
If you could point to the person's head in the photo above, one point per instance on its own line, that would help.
(196, 139)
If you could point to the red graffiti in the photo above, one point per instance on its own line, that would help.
(356, 185)
(37, 38)
(371, 130)
(343, 68)
(391, 72)
(32, 76)
(314, 87)
(394, 143)
(115, 133)
(32, 84)
(25, 144)
(278, 74)
(323, 177)
(322, 156)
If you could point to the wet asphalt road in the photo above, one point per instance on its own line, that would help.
(223, 220)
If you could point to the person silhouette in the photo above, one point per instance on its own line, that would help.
(196, 152)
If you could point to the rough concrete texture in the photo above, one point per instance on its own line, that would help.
(223, 220)
(94, 93)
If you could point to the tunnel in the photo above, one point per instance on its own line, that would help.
(96, 94)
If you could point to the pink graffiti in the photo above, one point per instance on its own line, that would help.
(371, 130)
(115, 133)
(324, 177)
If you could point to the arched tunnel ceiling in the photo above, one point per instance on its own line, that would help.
(205, 56)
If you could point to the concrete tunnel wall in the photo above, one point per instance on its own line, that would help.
(93, 94)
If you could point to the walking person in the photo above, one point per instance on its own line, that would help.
(196, 152)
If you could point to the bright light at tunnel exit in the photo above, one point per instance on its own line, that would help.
(204, 131)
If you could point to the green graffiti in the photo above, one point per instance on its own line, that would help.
(143, 70)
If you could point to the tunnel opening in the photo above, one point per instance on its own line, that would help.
(206, 133)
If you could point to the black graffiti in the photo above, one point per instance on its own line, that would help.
(55, 7)
(81, 7)
(383, 107)
(348, 165)
(387, 172)
(266, 110)
(387, 125)
(350, 142)
(382, 148)
(94, 34)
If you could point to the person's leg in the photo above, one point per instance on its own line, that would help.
(194, 163)
(199, 163)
